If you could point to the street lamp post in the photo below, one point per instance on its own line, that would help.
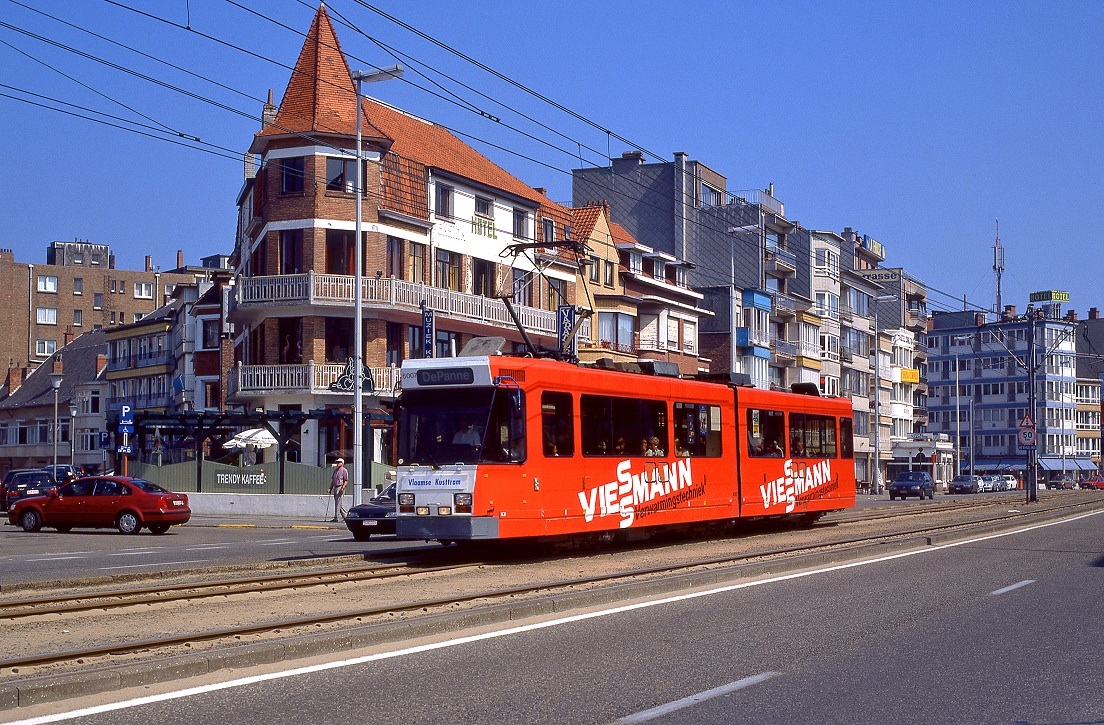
(55, 383)
(72, 434)
(382, 74)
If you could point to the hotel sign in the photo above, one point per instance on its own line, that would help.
(1050, 295)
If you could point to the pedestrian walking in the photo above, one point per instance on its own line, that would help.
(338, 482)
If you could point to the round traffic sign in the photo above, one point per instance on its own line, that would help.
(1027, 436)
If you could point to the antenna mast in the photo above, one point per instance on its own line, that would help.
(998, 265)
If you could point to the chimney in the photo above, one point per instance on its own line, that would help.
(1071, 316)
(101, 362)
(268, 113)
(57, 366)
(15, 378)
(1009, 312)
(1094, 313)
(180, 259)
(68, 335)
(149, 263)
(250, 166)
(541, 190)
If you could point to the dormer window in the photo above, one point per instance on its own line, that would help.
(710, 196)
(680, 276)
(636, 262)
(659, 269)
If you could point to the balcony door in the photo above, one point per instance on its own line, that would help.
(291, 252)
(483, 278)
(291, 341)
(340, 252)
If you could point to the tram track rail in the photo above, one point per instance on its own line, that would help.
(841, 545)
(198, 589)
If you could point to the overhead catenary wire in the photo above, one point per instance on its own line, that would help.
(470, 136)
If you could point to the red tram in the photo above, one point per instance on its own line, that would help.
(507, 448)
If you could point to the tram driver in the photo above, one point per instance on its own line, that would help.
(467, 435)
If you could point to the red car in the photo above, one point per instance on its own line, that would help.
(124, 503)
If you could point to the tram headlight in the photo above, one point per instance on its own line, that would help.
(462, 502)
(423, 510)
(444, 511)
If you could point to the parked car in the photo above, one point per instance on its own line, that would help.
(374, 516)
(965, 484)
(62, 471)
(1062, 483)
(24, 482)
(912, 483)
(1010, 482)
(128, 504)
(992, 483)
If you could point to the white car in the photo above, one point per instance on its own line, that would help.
(1010, 482)
(988, 483)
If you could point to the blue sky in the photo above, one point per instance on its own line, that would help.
(917, 124)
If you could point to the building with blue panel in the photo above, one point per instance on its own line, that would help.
(979, 387)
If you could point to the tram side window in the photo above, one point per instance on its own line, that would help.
(766, 433)
(557, 424)
(812, 436)
(623, 426)
(697, 430)
(847, 438)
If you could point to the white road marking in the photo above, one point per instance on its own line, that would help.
(646, 715)
(1024, 583)
(275, 543)
(153, 563)
(56, 558)
(447, 644)
(146, 552)
(208, 547)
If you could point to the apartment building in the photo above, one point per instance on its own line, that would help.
(978, 374)
(65, 390)
(78, 289)
(644, 306)
(749, 260)
(447, 233)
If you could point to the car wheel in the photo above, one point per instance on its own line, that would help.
(30, 520)
(159, 528)
(64, 529)
(362, 535)
(128, 523)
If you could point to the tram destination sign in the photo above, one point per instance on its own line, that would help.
(446, 376)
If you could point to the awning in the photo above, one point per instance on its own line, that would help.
(1002, 464)
(1070, 464)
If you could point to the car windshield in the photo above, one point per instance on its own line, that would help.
(911, 476)
(470, 425)
(962, 479)
(148, 487)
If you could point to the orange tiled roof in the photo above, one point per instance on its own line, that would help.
(320, 94)
(620, 234)
(320, 99)
(583, 220)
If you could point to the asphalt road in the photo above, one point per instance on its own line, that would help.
(1006, 629)
(50, 556)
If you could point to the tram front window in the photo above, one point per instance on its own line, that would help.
(470, 425)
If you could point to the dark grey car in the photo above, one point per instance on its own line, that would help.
(912, 483)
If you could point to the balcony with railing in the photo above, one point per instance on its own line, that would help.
(779, 261)
(783, 305)
(762, 198)
(141, 402)
(310, 379)
(333, 290)
(783, 351)
(145, 360)
(752, 337)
